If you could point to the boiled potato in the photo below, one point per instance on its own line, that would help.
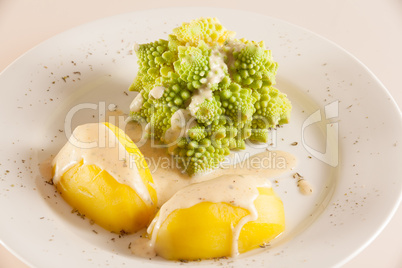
(95, 193)
(205, 230)
(270, 222)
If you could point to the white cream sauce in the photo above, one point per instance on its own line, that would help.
(137, 103)
(200, 95)
(180, 123)
(136, 46)
(237, 190)
(157, 92)
(215, 75)
(233, 45)
(141, 246)
(180, 118)
(304, 187)
(96, 144)
(147, 128)
(217, 67)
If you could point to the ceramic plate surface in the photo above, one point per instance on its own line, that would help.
(345, 132)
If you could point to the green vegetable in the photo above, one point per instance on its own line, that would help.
(253, 66)
(208, 111)
(214, 93)
(193, 64)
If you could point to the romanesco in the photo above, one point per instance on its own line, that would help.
(154, 59)
(197, 157)
(197, 133)
(208, 111)
(204, 93)
(193, 64)
(208, 30)
(238, 104)
(253, 66)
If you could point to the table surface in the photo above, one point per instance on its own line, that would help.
(370, 30)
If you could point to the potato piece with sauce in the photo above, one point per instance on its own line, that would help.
(107, 181)
(218, 218)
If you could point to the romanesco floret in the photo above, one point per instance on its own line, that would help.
(193, 64)
(160, 122)
(208, 111)
(197, 133)
(175, 92)
(238, 104)
(197, 157)
(217, 130)
(259, 134)
(154, 59)
(254, 67)
(204, 93)
(273, 107)
(208, 30)
(222, 85)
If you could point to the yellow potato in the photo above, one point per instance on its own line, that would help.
(270, 222)
(100, 197)
(204, 230)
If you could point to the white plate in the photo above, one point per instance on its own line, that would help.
(357, 185)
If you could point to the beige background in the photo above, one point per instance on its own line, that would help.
(369, 29)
